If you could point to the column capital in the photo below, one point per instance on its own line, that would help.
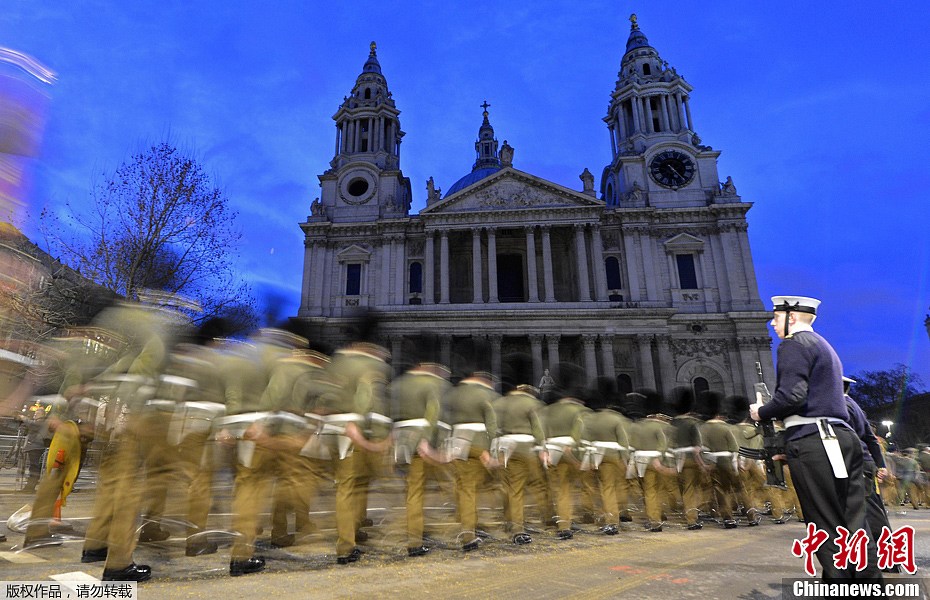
(536, 338)
(644, 338)
(595, 227)
(588, 339)
(444, 233)
(553, 337)
(546, 228)
(529, 229)
(495, 338)
(579, 226)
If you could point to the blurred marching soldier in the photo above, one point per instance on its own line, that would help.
(606, 433)
(371, 463)
(722, 452)
(751, 489)
(192, 428)
(286, 431)
(245, 370)
(415, 407)
(564, 425)
(471, 415)
(359, 373)
(686, 447)
(126, 385)
(873, 465)
(648, 438)
(923, 458)
(520, 434)
(824, 454)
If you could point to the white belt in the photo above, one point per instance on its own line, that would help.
(161, 403)
(798, 420)
(562, 440)
(520, 438)
(175, 380)
(242, 418)
(476, 427)
(342, 418)
(722, 453)
(211, 407)
(647, 454)
(289, 416)
(609, 445)
(373, 416)
(411, 423)
(641, 460)
(686, 449)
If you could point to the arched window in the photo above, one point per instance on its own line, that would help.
(614, 281)
(415, 281)
(609, 197)
(367, 93)
(647, 70)
(700, 385)
(624, 384)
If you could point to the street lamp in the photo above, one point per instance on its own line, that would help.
(888, 424)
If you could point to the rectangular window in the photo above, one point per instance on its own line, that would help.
(353, 280)
(687, 276)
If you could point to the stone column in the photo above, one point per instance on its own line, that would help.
(531, 263)
(632, 265)
(306, 284)
(547, 265)
(678, 117)
(492, 265)
(621, 124)
(747, 363)
(552, 343)
(663, 112)
(400, 266)
(746, 258)
(613, 140)
(600, 270)
(397, 342)
(608, 367)
(649, 267)
(590, 358)
(666, 364)
(384, 292)
(581, 257)
(536, 352)
(495, 341)
(356, 132)
(477, 298)
(429, 269)
(647, 369)
(444, 267)
(688, 114)
(637, 124)
(648, 106)
(445, 350)
(326, 278)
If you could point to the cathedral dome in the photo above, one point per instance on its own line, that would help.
(471, 178)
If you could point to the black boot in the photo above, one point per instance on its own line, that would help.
(133, 572)
(244, 567)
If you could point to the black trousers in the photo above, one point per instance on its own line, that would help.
(829, 502)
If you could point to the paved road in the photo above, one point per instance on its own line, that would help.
(745, 563)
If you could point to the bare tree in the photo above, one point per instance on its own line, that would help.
(158, 222)
(880, 388)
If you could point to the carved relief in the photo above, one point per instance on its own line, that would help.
(415, 248)
(699, 347)
(611, 238)
(509, 196)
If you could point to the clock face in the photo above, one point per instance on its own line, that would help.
(672, 169)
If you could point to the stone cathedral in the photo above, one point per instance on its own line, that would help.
(647, 278)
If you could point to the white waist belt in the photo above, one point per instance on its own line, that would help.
(647, 454)
(411, 423)
(161, 403)
(214, 407)
(562, 440)
(175, 380)
(379, 418)
(686, 449)
(797, 420)
(520, 438)
(608, 445)
(242, 418)
(476, 427)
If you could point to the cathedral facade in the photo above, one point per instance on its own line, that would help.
(647, 278)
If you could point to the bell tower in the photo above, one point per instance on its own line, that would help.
(365, 182)
(657, 158)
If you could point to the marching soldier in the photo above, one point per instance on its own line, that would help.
(415, 407)
(471, 414)
(606, 433)
(520, 432)
(686, 447)
(564, 426)
(722, 452)
(647, 437)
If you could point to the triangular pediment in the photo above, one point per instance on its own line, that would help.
(684, 242)
(353, 253)
(510, 189)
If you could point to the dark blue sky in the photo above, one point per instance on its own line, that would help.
(822, 113)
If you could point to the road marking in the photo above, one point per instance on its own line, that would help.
(21, 557)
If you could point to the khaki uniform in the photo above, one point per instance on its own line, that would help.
(520, 431)
(647, 437)
(415, 406)
(722, 448)
(686, 445)
(473, 421)
(564, 426)
(606, 431)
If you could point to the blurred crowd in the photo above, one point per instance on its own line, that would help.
(173, 409)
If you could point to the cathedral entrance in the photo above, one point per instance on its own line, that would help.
(510, 278)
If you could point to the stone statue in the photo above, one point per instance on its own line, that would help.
(546, 383)
(316, 209)
(727, 187)
(587, 180)
(432, 192)
(506, 154)
(635, 194)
